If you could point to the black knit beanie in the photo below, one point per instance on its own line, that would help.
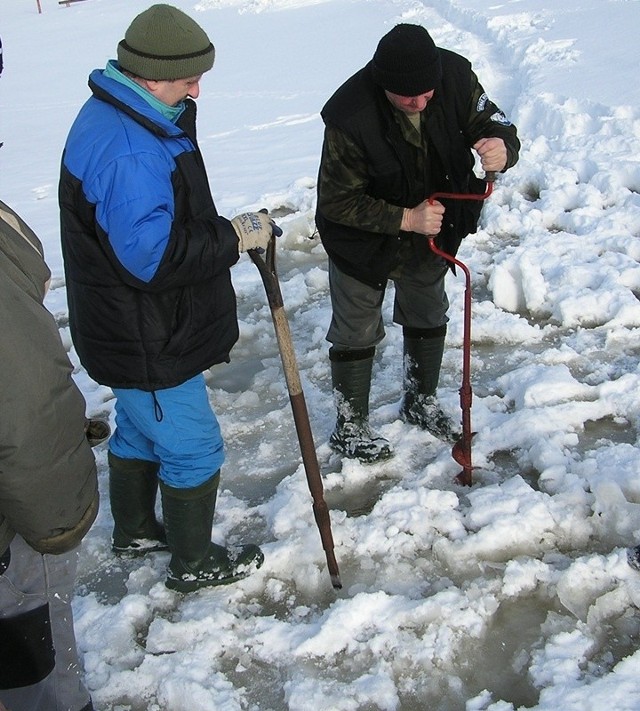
(407, 61)
(163, 43)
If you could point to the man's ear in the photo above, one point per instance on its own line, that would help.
(151, 85)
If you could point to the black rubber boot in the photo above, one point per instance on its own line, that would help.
(351, 380)
(133, 485)
(423, 351)
(196, 562)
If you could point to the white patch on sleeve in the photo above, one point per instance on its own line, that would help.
(499, 117)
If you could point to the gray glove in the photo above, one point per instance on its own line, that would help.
(254, 230)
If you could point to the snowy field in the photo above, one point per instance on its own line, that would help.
(512, 594)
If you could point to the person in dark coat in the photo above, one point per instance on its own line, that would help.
(400, 129)
(151, 304)
(48, 487)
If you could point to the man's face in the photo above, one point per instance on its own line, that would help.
(410, 104)
(173, 92)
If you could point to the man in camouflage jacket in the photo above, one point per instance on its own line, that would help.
(400, 129)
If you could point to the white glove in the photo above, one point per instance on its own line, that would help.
(254, 230)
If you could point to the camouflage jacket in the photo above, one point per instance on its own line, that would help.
(375, 163)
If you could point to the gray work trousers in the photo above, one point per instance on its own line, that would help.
(420, 302)
(39, 667)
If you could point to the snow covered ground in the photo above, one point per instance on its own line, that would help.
(513, 594)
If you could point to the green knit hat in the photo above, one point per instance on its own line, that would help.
(163, 43)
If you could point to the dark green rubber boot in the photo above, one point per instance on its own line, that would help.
(196, 562)
(351, 381)
(423, 351)
(133, 485)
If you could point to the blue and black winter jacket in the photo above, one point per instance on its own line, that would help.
(147, 257)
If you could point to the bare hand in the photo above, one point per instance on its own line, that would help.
(425, 218)
(493, 154)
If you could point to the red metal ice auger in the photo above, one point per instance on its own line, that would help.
(461, 451)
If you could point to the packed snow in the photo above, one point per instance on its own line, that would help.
(512, 594)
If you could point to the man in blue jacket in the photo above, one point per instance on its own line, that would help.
(151, 304)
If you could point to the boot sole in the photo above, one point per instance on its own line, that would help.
(191, 583)
(139, 551)
(188, 586)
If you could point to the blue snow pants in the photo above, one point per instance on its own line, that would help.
(175, 427)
